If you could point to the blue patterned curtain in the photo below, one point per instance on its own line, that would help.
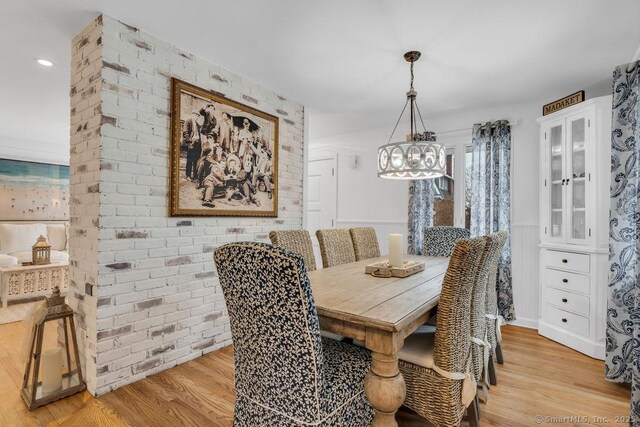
(491, 198)
(420, 208)
(623, 308)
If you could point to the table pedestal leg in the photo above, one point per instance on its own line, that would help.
(385, 388)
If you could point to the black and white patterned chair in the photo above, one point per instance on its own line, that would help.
(285, 373)
(440, 241)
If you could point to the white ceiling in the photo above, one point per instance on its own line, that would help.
(342, 59)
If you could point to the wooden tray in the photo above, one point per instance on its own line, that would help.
(382, 269)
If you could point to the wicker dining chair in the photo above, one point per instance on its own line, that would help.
(438, 368)
(440, 241)
(298, 241)
(493, 318)
(365, 242)
(480, 347)
(336, 247)
(285, 373)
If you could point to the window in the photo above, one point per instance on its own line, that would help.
(468, 158)
(451, 205)
(443, 197)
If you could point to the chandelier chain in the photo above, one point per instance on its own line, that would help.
(411, 76)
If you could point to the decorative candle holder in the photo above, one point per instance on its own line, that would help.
(44, 380)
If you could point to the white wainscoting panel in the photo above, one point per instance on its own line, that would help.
(383, 229)
(525, 260)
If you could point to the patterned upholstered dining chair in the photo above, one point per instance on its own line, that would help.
(438, 368)
(492, 315)
(365, 242)
(336, 247)
(297, 241)
(285, 373)
(440, 241)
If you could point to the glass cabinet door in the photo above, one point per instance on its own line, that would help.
(577, 176)
(556, 177)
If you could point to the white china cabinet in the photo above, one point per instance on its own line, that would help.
(575, 159)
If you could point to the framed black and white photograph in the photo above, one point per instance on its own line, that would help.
(224, 156)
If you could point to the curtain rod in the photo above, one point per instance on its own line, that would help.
(469, 130)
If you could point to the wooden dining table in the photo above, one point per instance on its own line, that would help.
(381, 312)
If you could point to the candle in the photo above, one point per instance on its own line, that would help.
(51, 370)
(396, 254)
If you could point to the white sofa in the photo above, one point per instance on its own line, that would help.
(20, 282)
(16, 241)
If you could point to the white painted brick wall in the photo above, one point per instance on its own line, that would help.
(86, 90)
(156, 297)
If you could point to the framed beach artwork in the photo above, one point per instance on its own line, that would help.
(224, 156)
(33, 191)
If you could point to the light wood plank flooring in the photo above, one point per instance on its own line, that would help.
(539, 377)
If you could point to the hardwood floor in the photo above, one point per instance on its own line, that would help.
(539, 378)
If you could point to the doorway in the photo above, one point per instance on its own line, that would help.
(321, 197)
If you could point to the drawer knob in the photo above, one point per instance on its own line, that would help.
(564, 320)
(564, 260)
(565, 280)
(564, 300)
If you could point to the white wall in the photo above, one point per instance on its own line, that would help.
(34, 151)
(364, 197)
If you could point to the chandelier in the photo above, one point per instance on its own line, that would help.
(420, 157)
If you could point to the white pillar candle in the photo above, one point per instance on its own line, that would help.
(396, 254)
(51, 366)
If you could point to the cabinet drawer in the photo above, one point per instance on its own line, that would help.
(568, 261)
(565, 320)
(578, 304)
(566, 280)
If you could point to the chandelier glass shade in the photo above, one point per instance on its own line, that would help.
(420, 156)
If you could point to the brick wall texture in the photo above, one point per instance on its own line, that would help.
(144, 285)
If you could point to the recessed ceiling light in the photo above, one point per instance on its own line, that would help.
(45, 63)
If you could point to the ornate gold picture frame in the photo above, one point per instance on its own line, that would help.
(224, 156)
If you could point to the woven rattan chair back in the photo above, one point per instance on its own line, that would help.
(478, 303)
(336, 247)
(297, 241)
(365, 242)
(500, 239)
(431, 395)
(453, 334)
(440, 241)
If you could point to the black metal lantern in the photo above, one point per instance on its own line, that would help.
(52, 374)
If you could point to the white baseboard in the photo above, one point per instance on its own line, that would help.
(569, 339)
(525, 323)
